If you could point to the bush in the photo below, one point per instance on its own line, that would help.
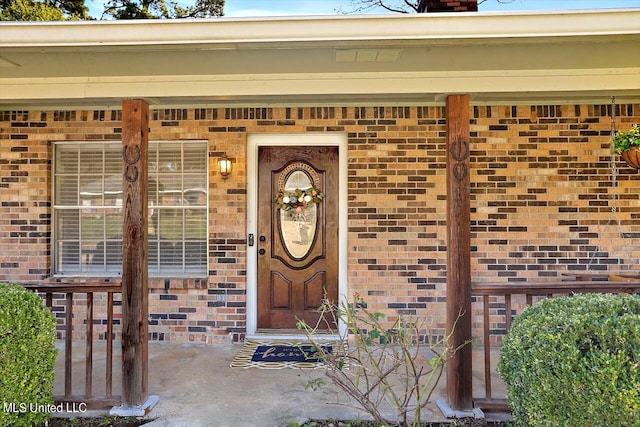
(385, 368)
(575, 361)
(27, 357)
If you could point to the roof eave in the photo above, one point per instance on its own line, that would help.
(325, 29)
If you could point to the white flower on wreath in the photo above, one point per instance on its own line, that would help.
(297, 201)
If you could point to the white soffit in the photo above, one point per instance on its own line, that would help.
(514, 57)
(367, 55)
(5, 63)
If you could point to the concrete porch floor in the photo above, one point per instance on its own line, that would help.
(197, 387)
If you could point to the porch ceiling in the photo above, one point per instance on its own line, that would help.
(559, 57)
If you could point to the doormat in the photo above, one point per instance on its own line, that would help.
(279, 355)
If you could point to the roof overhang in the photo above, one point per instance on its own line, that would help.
(497, 58)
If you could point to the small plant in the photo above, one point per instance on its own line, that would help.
(623, 141)
(575, 361)
(27, 357)
(387, 370)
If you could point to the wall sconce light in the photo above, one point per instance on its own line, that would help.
(224, 166)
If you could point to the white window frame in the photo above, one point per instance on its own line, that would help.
(203, 271)
(256, 140)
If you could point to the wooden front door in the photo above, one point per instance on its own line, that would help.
(297, 239)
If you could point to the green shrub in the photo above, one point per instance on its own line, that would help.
(575, 361)
(27, 357)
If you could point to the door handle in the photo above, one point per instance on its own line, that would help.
(263, 238)
(262, 252)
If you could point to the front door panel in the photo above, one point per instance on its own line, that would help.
(298, 233)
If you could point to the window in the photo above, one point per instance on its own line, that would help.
(88, 208)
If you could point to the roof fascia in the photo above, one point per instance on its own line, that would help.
(222, 32)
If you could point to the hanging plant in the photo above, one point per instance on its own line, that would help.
(627, 144)
(296, 201)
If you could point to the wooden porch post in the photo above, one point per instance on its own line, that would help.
(459, 369)
(135, 156)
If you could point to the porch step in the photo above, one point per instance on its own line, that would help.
(289, 334)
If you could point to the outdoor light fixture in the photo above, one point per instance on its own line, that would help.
(224, 166)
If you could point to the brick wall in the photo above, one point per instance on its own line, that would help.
(452, 6)
(541, 193)
(25, 195)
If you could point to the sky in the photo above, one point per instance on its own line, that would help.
(254, 8)
(246, 8)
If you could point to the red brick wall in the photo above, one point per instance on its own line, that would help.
(452, 6)
(543, 192)
(541, 201)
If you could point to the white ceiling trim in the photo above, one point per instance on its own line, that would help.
(231, 87)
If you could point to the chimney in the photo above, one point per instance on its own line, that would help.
(452, 6)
